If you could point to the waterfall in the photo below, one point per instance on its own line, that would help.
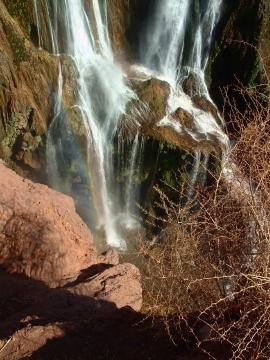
(135, 162)
(209, 16)
(178, 38)
(194, 173)
(51, 155)
(38, 21)
(204, 167)
(176, 46)
(101, 100)
(162, 45)
(129, 189)
(170, 49)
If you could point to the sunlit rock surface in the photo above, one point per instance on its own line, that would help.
(42, 237)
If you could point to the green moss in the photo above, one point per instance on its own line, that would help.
(19, 51)
(154, 93)
(14, 126)
(4, 66)
(17, 44)
(32, 144)
(22, 11)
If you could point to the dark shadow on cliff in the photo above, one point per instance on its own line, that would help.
(24, 301)
(92, 329)
(88, 273)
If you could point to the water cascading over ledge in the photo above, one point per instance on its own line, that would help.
(101, 96)
(175, 47)
(83, 136)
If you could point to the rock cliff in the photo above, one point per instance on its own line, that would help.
(43, 238)
(27, 81)
(242, 38)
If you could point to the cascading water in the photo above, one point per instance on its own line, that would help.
(37, 20)
(135, 159)
(163, 42)
(176, 46)
(53, 170)
(102, 97)
(194, 174)
(178, 38)
(171, 49)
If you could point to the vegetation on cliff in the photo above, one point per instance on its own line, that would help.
(208, 273)
(25, 95)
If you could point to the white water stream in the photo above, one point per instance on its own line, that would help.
(102, 96)
(178, 38)
(176, 44)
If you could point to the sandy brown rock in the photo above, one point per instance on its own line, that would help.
(206, 105)
(110, 257)
(26, 341)
(119, 284)
(41, 235)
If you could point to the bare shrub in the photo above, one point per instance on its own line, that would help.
(208, 275)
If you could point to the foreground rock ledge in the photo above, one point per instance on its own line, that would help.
(43, 238)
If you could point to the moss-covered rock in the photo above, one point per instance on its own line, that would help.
(244, 30)
(22, 11)
(152, 117)
(155, 94)
(27, 79)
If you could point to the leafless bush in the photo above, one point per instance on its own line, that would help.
(209, 274)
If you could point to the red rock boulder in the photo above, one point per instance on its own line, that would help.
(41, 235)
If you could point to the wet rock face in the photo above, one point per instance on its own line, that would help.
(126, 21)
(27, 81)
(205, 105)
(154, 93)
(244, 27)
(190, 86)
(152, 103)
(151, 111)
